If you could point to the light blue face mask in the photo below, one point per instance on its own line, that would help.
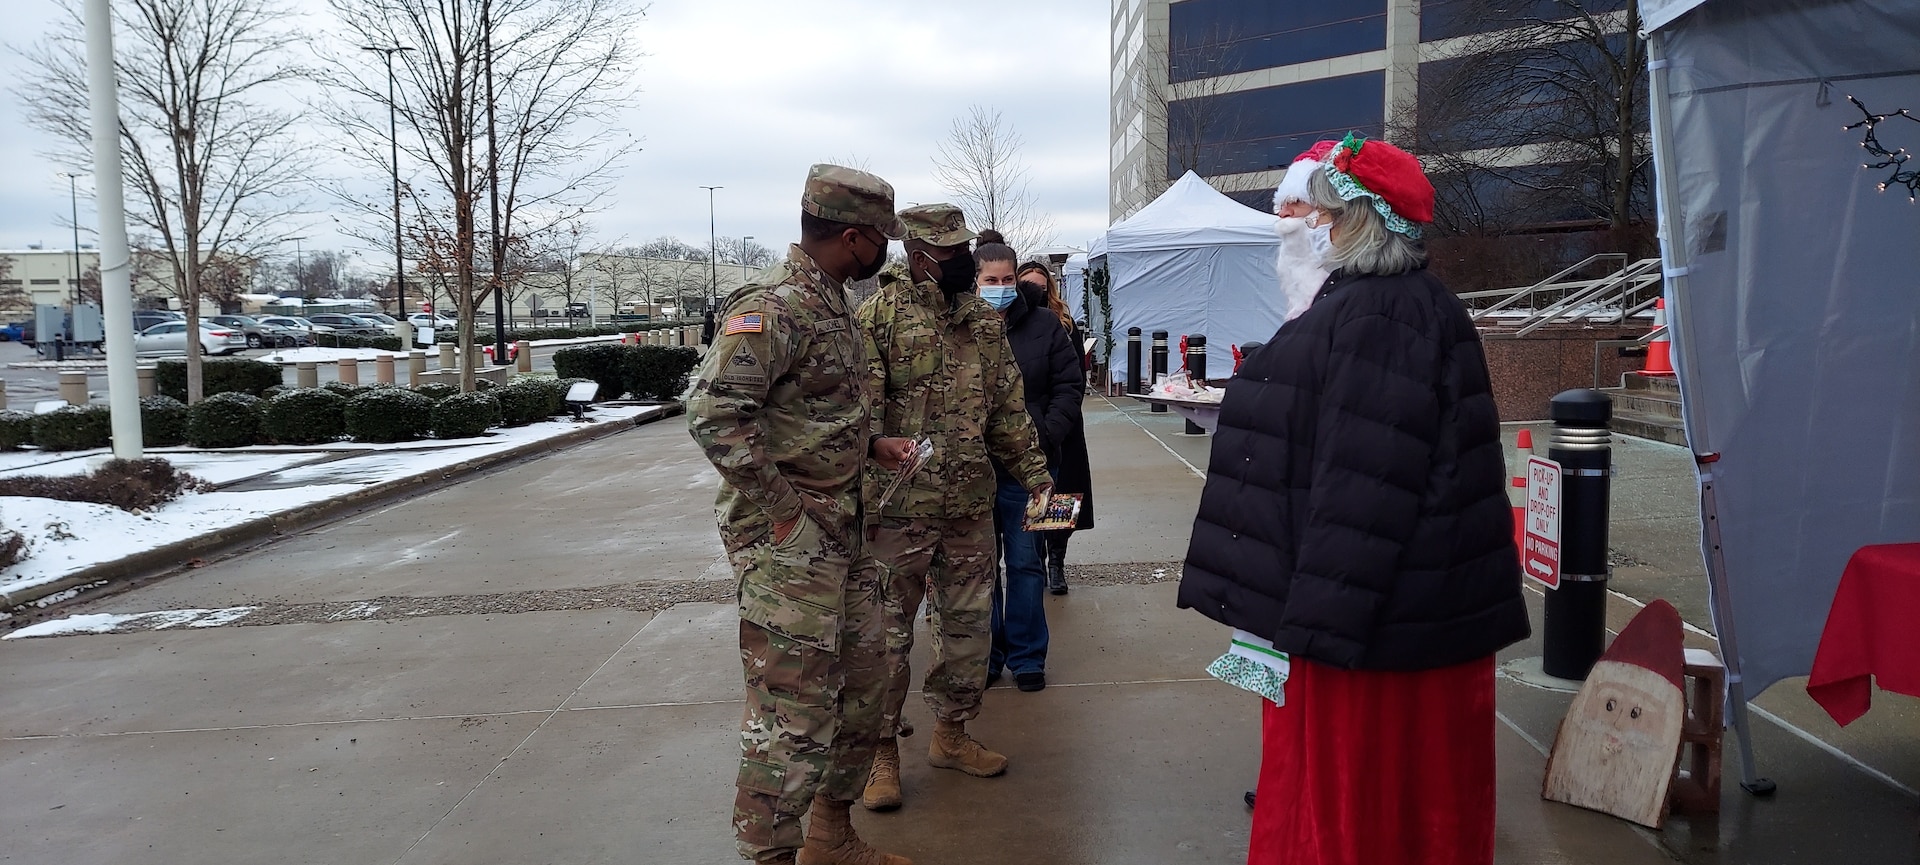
(999, 296)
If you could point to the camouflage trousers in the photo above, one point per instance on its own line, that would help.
(953, 558)
(813, 650)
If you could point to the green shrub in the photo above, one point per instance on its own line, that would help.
(124, 484)
(276, 390)
(658, 372)
(604, 364)
(16, 430)
(347, 340)
(73, 428)
(465, 415)
(480, 384)
(225, 375)
(437, 390)
(342, 388)
(309, 416)
(163, 421)
(224, 420)
(389, 415)
(525, 400)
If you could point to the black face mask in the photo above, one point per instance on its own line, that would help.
(1034, 292)
(869, 271)
(956, 273)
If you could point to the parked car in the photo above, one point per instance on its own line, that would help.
(263, 335)
(294, 323)
(437, 322)
(146, 318)
(387, 326)
(347, 324)
(14, 332)
(169, 338)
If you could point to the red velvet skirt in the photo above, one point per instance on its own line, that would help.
(1371, 768)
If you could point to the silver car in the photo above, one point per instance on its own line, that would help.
(169, 339)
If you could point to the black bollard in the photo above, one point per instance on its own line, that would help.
(1196, 372)
(1159, 364)
(1576, 627)
(1133, 361)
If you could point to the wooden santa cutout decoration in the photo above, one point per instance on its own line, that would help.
(1618, 744)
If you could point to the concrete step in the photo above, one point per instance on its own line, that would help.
(1644, 402)
(1646, 426)
(1664, 384)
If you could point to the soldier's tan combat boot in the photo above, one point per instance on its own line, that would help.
(952, 748)
(883, 782)
(830, 839)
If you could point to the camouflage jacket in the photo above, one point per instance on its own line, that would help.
(780, 404)
(947, 374)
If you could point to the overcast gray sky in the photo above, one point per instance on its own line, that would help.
(746, 94)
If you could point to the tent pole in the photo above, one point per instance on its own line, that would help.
(1675, 257)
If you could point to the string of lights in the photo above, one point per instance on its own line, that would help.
(1893, 159)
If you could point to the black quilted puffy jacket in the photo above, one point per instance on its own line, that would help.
(1355, 509)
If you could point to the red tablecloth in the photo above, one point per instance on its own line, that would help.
(1873, 631)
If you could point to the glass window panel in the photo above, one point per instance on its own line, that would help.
(1257, 130)
(1222, 37)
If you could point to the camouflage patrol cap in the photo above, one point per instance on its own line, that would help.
(851, 196)
(937, 224)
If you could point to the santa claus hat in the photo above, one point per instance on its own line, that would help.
(1390, 178)
(1654, 640)
(1293, 185)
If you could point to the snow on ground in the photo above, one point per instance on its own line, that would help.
(63, 537)
(325, 355)
(214, 467)
(100, 623)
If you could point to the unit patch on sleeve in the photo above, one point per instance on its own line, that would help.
(744, 370)
(748, 323)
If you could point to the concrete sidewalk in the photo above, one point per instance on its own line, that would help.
(540, 665)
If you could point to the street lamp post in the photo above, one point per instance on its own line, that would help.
(299, 267)
(393, 135)
(73, 197)
(713, 265)
(498, 243)
(746, 272)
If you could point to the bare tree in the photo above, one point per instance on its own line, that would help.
(744, 253)
(13, 295)
(979, 164)
(668, 249)
(1180, 89)
(212, 168)
(1537, 120)
(561, 70)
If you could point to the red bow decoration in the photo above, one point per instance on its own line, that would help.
(1237, 357)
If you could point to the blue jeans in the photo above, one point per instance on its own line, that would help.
(1019, 600)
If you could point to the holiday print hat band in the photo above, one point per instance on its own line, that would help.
(1345, 167)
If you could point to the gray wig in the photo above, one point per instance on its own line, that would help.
(1364, 244)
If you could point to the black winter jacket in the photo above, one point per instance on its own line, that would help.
(1355, 509)
(1056, 379)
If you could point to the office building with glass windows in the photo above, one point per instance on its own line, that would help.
(1234, 89)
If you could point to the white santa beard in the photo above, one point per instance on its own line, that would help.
(1301, 274)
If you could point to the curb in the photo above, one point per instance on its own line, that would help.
(175, 555)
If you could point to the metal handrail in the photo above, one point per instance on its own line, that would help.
(1549, 282)
(1621, 287)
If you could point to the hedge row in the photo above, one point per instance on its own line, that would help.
(126, 484)
(300, 416)
(655, 372)
(225, 375)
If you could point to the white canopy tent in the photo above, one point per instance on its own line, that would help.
(1195, 262)
(1789, 231)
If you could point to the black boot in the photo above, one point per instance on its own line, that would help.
(1057, 568)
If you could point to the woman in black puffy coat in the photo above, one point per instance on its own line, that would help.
(1072, 469)
(1355, 520)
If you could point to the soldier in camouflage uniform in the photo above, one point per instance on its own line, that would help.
(942, 369)
(782, 408)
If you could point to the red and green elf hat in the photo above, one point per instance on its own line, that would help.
(1390, 178)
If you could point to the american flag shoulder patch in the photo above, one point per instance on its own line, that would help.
(748, 323)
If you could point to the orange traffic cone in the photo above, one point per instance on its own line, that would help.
(1660, 350)
(1523, 447)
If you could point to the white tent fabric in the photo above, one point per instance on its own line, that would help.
(1794, 290)
(1195, 262)
(1073, 284)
